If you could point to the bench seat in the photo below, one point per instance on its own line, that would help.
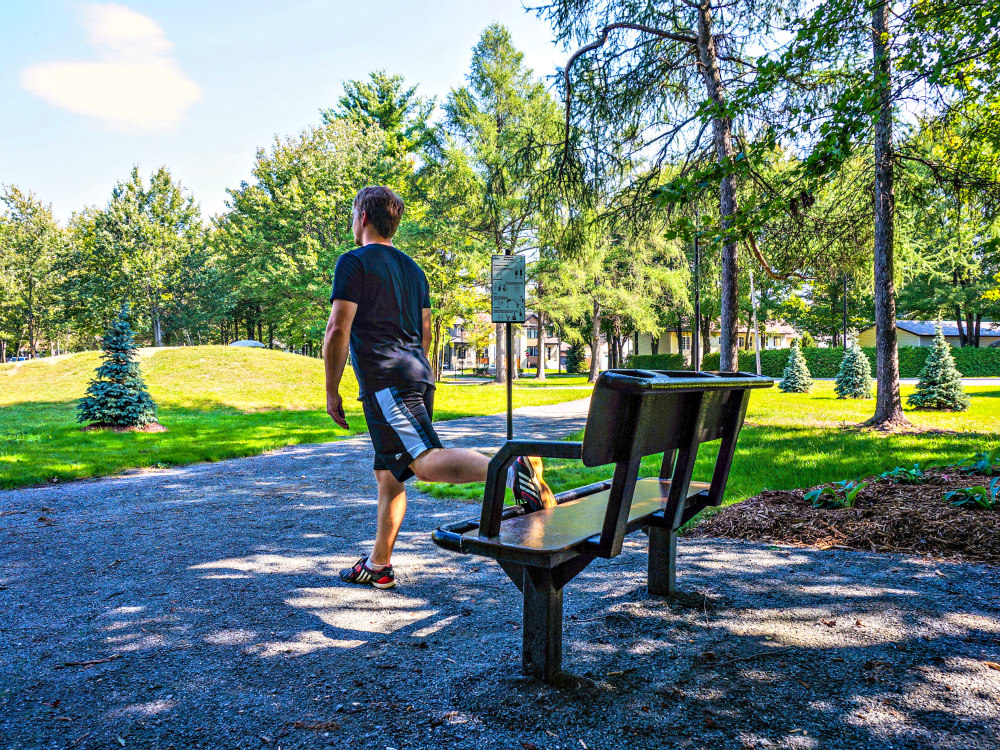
(538, 538)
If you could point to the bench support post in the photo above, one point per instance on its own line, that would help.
(662, 567)
(542, 627)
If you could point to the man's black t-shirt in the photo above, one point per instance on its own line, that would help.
(390, 291)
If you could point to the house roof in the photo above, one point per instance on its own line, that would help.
(926, 327)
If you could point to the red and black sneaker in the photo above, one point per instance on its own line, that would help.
(361, 573)
(525, 479)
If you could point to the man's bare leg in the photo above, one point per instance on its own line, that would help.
(450, 465)
(447, 465)
(391, 509)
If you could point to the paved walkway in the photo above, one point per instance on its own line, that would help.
(200, 607)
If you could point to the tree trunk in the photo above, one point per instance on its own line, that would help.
(963, 339)
(436, 364)
(970, 328)
(979, 323)
(706, 335)
(723, 137)
(501, 364)
(679, 333)
(270, 335)
(31, 318)
(654, 346)
(595, 343)
(888, 405)
(540, 359)
(155, 315)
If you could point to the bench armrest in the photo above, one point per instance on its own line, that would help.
(496, 475)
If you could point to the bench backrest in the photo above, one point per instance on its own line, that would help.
(637, 413)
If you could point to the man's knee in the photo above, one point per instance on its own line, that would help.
(386, 480)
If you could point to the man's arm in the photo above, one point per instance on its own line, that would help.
(426, 336)
(335, 348)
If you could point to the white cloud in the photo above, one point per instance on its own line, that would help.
(135, 85)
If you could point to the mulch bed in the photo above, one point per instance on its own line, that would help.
(887, 517)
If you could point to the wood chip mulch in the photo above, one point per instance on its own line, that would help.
(887, 517)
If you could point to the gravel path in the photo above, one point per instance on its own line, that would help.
(200, 607)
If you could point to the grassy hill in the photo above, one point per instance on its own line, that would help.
(216, 401)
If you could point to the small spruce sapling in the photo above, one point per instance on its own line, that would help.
(940, 385)
(796, 378)
(117, 396)
(854, 379)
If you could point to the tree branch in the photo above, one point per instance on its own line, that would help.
(600, 42)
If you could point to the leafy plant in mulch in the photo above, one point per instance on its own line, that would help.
(986, 463)
(854, 379)
(796, 378)
(117, 397)
(902, 475)
(843, 494)
(984, 497)
(940, 385)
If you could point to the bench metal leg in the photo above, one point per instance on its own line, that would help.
(542, 627)
(662, 568)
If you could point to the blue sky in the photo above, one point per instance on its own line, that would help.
(89, 89)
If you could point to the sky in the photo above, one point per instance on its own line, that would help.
(90, 89)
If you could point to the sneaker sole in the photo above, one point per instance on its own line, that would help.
(384, 585)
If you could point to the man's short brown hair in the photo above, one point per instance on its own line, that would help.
(383, 207)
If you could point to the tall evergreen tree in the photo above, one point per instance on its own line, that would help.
(117, 396)
(503, 111)
(940, 385)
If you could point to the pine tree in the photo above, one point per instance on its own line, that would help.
(118, 397)
(796, 377)
(854, 380)
(940, 385)
(576, 360)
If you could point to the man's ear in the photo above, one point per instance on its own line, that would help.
(364, 218)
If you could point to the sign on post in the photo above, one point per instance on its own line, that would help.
(507, 275)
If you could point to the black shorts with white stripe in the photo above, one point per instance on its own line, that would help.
(399, 423)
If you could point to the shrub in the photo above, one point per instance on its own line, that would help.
(118, 396)
(576, 360)
(940, 385)
(657, 362)
(854, 380)
(796, 377)
(825, 363)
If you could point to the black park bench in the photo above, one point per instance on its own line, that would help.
(633, 413)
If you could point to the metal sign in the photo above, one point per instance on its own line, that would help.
(507, 273)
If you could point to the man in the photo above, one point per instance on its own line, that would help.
(381, 314)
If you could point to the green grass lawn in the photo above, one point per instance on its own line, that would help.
(792, 441)
(217, 402)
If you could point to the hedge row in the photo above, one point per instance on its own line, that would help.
(824, 363)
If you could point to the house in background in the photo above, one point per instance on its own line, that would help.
(774, 335)
(921, 333)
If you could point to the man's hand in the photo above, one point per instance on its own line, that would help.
(335, 408)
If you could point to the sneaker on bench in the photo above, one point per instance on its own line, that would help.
(524, 477)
